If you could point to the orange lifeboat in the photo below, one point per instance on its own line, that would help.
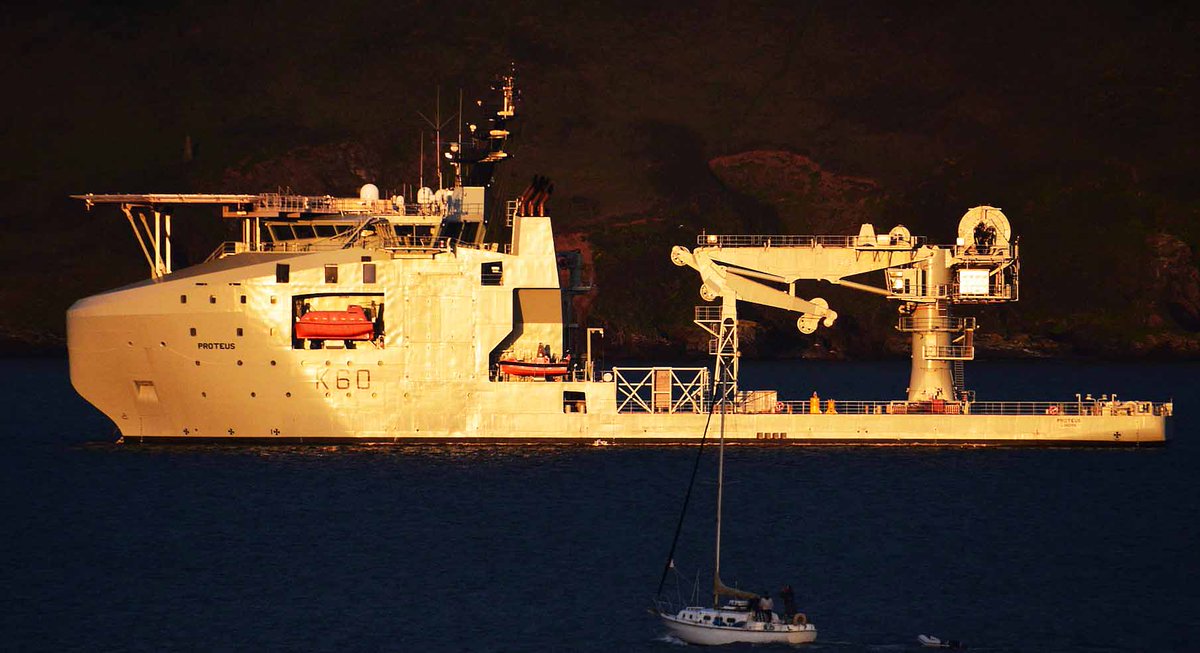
(539, 367)
(350, 324)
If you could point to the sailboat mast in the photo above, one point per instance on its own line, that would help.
(720, 487)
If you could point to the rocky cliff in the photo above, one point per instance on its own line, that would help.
(657, 122)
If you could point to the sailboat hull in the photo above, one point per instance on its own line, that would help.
(704, 633)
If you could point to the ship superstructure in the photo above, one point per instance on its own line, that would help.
(392, 319)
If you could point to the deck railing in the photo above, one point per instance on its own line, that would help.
(1053, 408)
(787, 240)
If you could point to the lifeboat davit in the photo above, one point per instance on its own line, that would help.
(538, 367)
(350, 324)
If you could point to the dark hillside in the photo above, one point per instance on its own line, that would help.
(656, 121)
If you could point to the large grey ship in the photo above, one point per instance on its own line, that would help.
(391, 319)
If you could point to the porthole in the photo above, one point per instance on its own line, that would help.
(239, 363)
(287, 394)
(197, 363)
(252, 395)
(162, 344)
(203, 394)
(272, 363)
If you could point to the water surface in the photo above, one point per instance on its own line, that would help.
(432, 548)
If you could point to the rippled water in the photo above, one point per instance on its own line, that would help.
(560, 548)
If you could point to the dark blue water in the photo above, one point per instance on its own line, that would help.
(154, 548)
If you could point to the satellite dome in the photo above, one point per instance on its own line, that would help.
(368, 192)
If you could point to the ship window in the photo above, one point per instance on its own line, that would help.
(330, 274)
(368, 273)
(243, 299)
(239, 331)
(366, 259)
(192, 331)
(183, 299)
(574, 401)
(283, 272)
(491, 274)
(212, 299)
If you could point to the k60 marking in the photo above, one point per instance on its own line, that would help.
(343, 379)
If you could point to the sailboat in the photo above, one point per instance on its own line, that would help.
(738, 620)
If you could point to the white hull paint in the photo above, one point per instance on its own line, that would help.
(750, 633)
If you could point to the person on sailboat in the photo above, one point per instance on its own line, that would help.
(765, 605)
(789, 602)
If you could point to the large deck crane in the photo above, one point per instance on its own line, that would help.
(981, 267)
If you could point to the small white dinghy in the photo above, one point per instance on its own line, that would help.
(934, 642)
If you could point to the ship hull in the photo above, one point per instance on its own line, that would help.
(159, 390)
(212, 354)
(754, 633)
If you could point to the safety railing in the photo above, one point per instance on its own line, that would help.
(937, 323)
(225, 249)
(985, 253)
(282, 203)
(997, 291)
(941, 407)
(786, 240)
(949, 352)
(708, 313)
